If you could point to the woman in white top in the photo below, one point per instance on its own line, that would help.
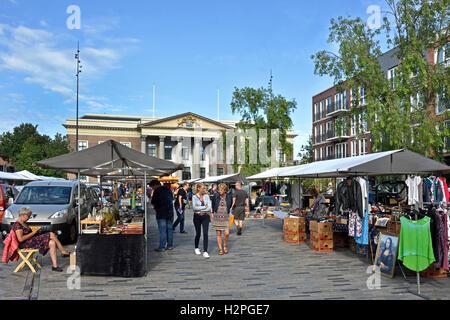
(202, 206)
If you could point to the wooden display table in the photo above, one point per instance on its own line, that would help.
(89, 222)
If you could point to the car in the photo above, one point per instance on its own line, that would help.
(266, 201)
(54, 206)
(390, 192)
(7, 195)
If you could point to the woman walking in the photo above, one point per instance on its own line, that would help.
(201, 203)
(221, 216)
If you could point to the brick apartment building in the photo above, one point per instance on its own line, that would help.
(329, 105)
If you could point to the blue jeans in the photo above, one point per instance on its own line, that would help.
(165, 233)
(180, 220)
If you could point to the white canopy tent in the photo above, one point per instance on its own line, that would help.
(29, 175)
(225, 178)
(397, 162)
(13, 176)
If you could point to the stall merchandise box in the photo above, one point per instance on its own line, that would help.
(315, 236)
(295, 224)
(340, 240)
(294, 237)
(434, 272)
(394, 227)
(322, 245)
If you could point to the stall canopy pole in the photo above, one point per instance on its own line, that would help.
(144, 189)
(79, 203)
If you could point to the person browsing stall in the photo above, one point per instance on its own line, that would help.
(162, 201)
(201, 203)
(222, 203)
(239, 206)
(180, 206)
(318, 208)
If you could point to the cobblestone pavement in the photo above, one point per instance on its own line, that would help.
(260, 266)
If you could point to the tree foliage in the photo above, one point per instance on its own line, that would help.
(306, 152)
(25, 145)
(400, 111)
(262, 109)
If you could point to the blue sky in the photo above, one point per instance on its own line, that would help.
(188, 49)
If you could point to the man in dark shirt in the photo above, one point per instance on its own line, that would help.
(239, 206)
(180, 206)
(162, 201)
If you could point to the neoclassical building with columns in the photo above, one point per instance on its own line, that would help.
(188, 138)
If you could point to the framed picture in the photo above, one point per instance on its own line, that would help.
(386, 256)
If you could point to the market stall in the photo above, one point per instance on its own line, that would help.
(112, 245)
(386, 226)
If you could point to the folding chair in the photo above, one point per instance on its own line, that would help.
(29, 259)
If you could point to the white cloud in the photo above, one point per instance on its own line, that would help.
(38, 55)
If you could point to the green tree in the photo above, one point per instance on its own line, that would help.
(306, 152)
(398, 111)
(11, 142)
(25, 145)
(37, 148)
(262, 109)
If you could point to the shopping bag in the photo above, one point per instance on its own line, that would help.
(231, 220)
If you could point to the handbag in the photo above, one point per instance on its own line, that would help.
(231, 219)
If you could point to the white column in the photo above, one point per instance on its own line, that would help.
(144, 144)
(161, 147)
(196, 158)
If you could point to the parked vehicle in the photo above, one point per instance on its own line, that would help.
(390, 192)
(7, 195)
(54, 205)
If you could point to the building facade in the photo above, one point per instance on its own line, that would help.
(329, 106)
(187, 138)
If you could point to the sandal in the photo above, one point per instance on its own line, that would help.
(220, 252)
(225, 250)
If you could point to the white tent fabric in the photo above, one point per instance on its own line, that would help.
(271, 173)
(13, 176)
(384, 163)
(225, 178)
(29, 175)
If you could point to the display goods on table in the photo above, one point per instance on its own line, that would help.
(427, 197)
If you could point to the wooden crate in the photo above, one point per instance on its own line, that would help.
(394, 227)
(313, 226)
(341, 239)
(294, 237)
(315, 236)
(295, 224)
(325, 228)
(322, 245)
(434, 272)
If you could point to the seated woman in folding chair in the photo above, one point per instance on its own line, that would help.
(29, 240)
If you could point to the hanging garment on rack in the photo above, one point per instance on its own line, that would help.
(415, 244)
(354, 225)
(363, 183)
(349, 197)
(364, 238)
(441, 240)
(445, 187)
(414, 184)
(435, 190)
(374, 233)
(295, 195)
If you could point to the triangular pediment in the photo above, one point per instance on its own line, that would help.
(186, 121)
